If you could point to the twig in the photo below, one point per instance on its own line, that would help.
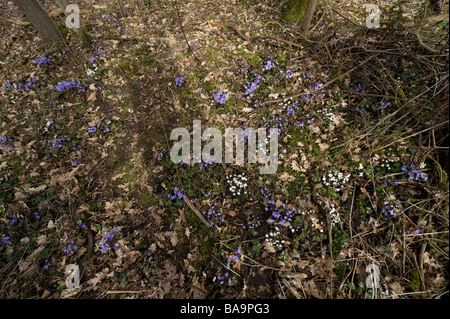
(424, 46)
(196, 211)
(325, 85)
(243, 36)
(330, 243)
(184, 34)
(111, 292)
(291, 289)
(186, 199)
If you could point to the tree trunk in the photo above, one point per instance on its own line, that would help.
(40, 20)
(87, 41)
(308, 17)
(295, 10)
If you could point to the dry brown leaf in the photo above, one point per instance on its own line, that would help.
(396, 288)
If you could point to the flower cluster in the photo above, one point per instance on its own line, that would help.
(12, 219)
(97, 52)
(272, 238)
(289, 74)
(334, 214)
(162, 154)
(316, 224)
(177, 194)
(21, 87)
(108, 236)
(3, 143)
(268, 65)
(336, 180)
(48, 124)
(360, 169)
(76, 162)
(358, 88)
(220, 276)
(383, 105)
(63, 86)
(277, 216)
(56, 143)
(69, 247)
(328, 113)
(264, 191)
(205, 164)
(36, 214)
(220, 97)
(414, 174)
(83, 226)
(385, 163)
(417, 231)
(213, 216)
(179, 80)
(252, 86)
(5, 240)
(148, 259)
(43, 60)
(234, 257)
(390, 208)
(237, 183)
(252, 223)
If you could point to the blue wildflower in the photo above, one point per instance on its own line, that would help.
(220, 97)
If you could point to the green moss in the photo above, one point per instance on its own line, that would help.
(444, 184)
(295, 10)
(128, 178)
(64, 31)
(414, 279)
(146, 199)
(140, 50)
(336, 73)
(255, 60)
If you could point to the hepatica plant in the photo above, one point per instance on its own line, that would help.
(43, 60)
(64, 86)
(220, 97)
(107, 239)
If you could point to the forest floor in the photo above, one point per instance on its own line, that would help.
(362, 179)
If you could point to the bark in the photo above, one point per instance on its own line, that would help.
(295, 10)
(87, 41)
(40, 20)
(308, 17)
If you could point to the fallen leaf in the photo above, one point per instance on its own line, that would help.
(397, 289)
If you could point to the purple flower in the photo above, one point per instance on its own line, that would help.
(64, 86)
(5, 240)
(288, 74)
(92, 129)
(269, 65)
(43, 60)
(220, 97)
(75, 163)
(179, 80)
(108, 236)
